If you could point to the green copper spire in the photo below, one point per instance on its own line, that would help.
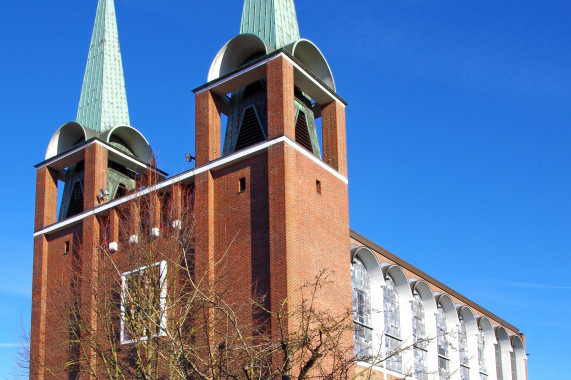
(274, 21)
(103, 102)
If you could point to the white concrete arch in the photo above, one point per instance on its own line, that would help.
(430, 310)
(405, 311)
(134, 141)
(376, 283)
(452, 322)
(65, 138)
(485, 326)
(235, 53)
(520, 355)
(425, 293)
(400, 279)
(311, 57)
(472, 333)
(503, 338)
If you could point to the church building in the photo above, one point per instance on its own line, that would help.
(268, 194)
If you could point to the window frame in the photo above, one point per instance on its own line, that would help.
(463, 350)
(361, 311)
(393, 338)
(420, 350)
(481, 345)
(162, 299)
(442, 340)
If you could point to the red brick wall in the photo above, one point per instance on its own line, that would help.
(280, 94)
(51, 298)
(334, 136)
(207, 128)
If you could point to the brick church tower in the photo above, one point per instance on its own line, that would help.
(269, 193)
(272, 198)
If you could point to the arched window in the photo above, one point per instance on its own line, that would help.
(499, 371)
(481, 356)
(361, 310)
(419, 338)
(442, 341)
(463, 349)
(392, 326)
(514, 365)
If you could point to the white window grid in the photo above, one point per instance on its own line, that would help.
(393, 340)
(363, 334)
(443, 367)
(418, 324)
(125, 295)
(419, 338)
(482, 356)
(463, 350)
(499, 371)
(442, 343)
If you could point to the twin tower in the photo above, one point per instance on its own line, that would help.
(273, 195)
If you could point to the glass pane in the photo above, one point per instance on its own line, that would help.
(418, 327)
(499, 372)
(391, 306)
(464, 373)
(481, 355)
(463, 343)
(441, 330)
(394, 356)
(363, 334)
(443, 368)
(420, 370)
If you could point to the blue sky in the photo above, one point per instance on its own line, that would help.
(458, 130)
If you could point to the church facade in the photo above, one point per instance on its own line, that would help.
(273, 197)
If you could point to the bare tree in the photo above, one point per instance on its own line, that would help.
(154, 315)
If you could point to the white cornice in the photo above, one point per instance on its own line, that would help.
(217, 164)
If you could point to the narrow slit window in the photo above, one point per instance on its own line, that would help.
(318, 186)
(242, 185)
(66, 248)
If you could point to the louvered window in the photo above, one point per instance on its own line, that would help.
(301, 132)
(250, 129)
(76, 200)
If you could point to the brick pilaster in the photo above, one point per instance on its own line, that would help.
(207, 128)
(282, 226)
(39, 290)
(114, 225)
(95, 175)
(46, 198)
(334, 136)
(280, 92)
(89, 288)
(204, 243)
